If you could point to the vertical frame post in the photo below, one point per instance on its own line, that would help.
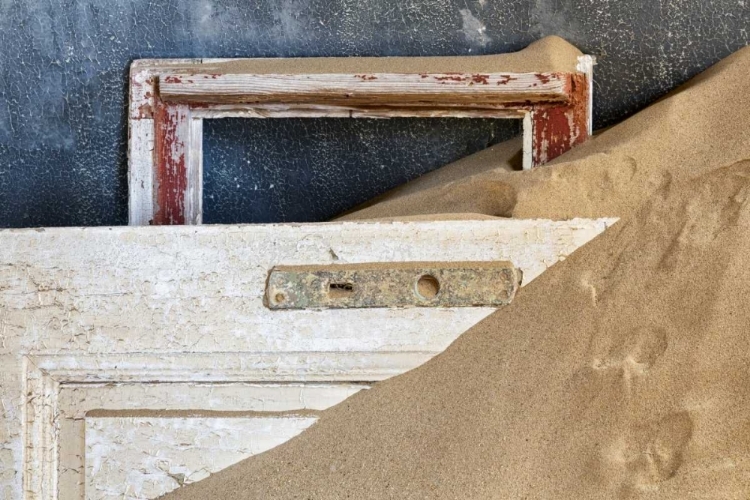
(557, 129)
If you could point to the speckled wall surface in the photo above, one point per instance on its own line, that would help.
(63, 67)
(307, 170)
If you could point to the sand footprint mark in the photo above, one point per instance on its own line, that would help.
(651, 453)
(635, 353)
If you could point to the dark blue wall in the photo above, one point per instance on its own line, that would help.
(63, 67)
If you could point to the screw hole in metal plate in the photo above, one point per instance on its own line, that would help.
(428, 287)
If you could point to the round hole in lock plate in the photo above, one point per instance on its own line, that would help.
(428, 287)
(279, 298)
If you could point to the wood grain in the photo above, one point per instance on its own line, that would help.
(381, 89)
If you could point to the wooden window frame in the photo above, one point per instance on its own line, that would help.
(170, 98)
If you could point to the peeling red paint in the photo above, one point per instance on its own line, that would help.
(170, 168)
(145, 111)
(552, 134)
(456, 77)
(172, 79)
(544, 78)
(478, 78)
(557, 129)
(505, 79)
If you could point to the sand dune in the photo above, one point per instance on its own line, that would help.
(550, 54)
(700, 126)
(623, 372)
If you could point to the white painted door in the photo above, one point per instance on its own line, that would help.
(135, 360)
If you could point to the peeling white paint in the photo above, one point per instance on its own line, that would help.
(142, 458)
(151, 319)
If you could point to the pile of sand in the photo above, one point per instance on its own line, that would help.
(551, 54)
(699, 127)
(623, 372)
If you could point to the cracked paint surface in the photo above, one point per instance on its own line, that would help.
(135, 458)
(129, 320)
(63, 76)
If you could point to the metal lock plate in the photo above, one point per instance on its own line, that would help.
(407, 284)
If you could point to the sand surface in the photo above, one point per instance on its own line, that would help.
(549, 55)
(623, 372)
(699, 127)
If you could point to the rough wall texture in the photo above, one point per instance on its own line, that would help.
(63, 67)
(308, 170)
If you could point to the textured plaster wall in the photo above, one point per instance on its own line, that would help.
(63, 66)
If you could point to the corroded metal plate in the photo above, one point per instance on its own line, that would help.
(398, 284)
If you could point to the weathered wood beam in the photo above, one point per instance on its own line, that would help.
(335, 111)
(382, 89)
